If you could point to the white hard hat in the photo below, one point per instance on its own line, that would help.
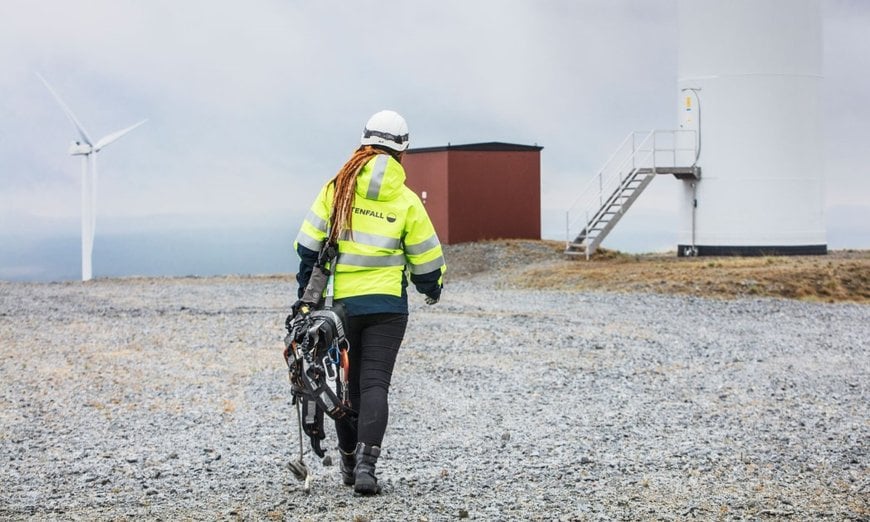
(387, 129)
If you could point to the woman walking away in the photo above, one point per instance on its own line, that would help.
(382, 232)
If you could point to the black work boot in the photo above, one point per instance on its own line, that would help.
(365, 482)
(346, 466)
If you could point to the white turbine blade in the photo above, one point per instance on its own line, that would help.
(68, 112)
(114, 136)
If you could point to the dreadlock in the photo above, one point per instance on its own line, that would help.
(345, 188)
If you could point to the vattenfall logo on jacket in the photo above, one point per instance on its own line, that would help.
(374, 213)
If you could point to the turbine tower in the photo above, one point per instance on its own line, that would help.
(87, 149)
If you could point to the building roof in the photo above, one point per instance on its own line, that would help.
(496, 146)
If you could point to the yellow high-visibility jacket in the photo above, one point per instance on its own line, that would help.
(391, 233)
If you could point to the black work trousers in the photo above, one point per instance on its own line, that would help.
(374, 344)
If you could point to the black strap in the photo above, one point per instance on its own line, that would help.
(313, 294)
(312, 424)
(328, 254)
(395, 138)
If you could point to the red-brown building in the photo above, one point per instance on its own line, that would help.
(479, 191)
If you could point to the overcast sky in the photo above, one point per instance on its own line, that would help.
(252, 106)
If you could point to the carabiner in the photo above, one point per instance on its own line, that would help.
(332, 353)
(329, 369)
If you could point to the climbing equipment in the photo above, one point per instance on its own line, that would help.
(315, 350)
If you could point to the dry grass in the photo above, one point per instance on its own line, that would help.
(840, 276)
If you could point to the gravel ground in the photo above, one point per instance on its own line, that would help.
(168, 399)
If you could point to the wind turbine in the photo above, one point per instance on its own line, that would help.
(87, 149)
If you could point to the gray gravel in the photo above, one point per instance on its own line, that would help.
(168, 399)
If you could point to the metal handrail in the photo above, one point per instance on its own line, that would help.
(674, 149)
(607, 179)
(623, 167)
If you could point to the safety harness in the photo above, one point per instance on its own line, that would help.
(316, 352)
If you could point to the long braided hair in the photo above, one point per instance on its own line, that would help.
(345, 187)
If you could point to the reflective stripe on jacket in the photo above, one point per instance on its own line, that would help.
(390, 230)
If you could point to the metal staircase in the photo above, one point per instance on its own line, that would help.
(622, 179)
